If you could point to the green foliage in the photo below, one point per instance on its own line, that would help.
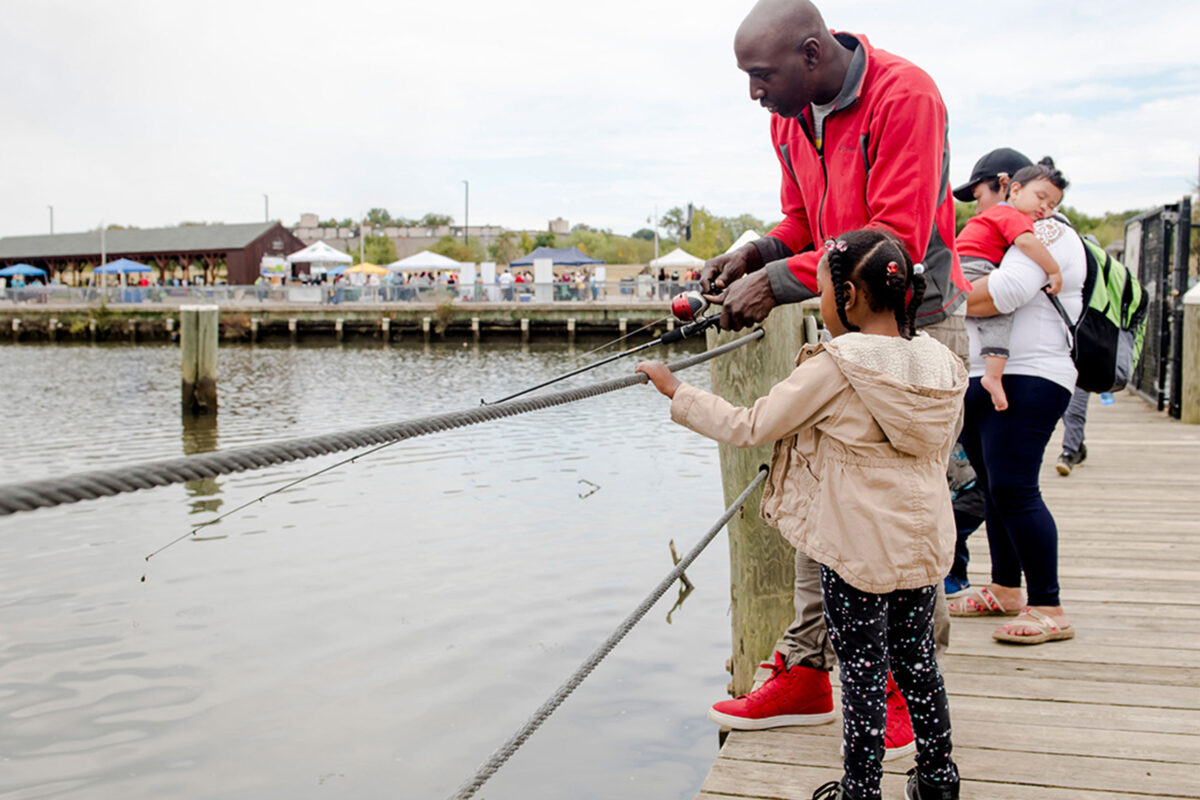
(526, 243)
(645, 234)
(379, 216)
(711, 234)
(1106, 229)
(610, 247)
(378, 250)
(432, 220)
(962, 213)
(452, 247)
(545, 239)
(507, 248)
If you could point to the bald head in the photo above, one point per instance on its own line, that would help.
(790, 20)
(790, 55)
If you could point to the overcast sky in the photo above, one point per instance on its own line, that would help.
(148, 113)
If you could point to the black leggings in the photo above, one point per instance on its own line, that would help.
(872, 633)
(1006, 449)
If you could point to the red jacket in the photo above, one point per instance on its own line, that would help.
(885, 163)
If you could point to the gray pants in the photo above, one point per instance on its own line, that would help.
(995, 331)
(1074, 418)
(806, 640)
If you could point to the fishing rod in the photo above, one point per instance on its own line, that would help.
(686, 307)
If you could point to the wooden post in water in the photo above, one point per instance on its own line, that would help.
(761, 562)
(253, 330)
(622, 326)
(292, 329)
(1189, 409)
(198, 338)
(52, 329)
(571, 330)
(475, 328)
(337, 326)
(385, 328)
(92, 329)
(170, 325)
(524, 329)
(16, 329)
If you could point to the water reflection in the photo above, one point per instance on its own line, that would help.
(199, 435)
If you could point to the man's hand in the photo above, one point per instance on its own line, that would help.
(663, 379)
(747, 301)
(720, 272)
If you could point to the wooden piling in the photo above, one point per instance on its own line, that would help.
(253, 329)
(571, 330)
(131, 324)
(385, 328)
(169, 323)
(1189, 410)
(16, 330)
(622, 325)
(761, 562)
(92, 329)
(525, 329)
(475, 328)
(426, 324)
(292, 329)
(338, 328)
(198, 339)
(671, 323)
(52, 329)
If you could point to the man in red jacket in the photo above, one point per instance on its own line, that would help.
(861, 138)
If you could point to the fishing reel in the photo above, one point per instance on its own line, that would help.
(689, 306)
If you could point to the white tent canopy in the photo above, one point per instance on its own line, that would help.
(320, 253)
(424, 260)
(747, 236)
(678, 258)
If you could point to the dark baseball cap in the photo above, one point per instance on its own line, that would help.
(1004, 160)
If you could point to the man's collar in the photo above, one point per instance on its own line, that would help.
(854, 73)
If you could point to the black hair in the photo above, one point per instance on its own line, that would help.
(1043, 169)
(877, 264)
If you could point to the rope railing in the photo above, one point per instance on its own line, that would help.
(506, 750)
(49, 492)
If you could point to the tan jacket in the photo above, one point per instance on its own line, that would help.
(862, 429)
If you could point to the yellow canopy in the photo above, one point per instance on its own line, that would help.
(368, 268)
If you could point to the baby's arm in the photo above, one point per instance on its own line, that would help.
(1028, 244)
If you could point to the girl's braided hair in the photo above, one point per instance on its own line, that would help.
(878, 265)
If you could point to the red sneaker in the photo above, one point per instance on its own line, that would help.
(898, 739)
(797, 696)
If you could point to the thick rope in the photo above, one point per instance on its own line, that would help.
(50, 492)
(506, 750)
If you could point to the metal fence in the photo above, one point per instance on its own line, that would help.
(642, 289)
(1157, 245)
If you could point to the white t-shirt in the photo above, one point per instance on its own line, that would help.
(1039, 345)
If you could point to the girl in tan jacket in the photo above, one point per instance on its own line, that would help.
(862, 429)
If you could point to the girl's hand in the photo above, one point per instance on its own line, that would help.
(663, 379)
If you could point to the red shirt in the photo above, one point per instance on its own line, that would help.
(990, 234)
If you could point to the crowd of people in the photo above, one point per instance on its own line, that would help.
(926, 410)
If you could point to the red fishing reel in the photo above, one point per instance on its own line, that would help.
(689, 306)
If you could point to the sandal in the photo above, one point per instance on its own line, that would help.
(1048, 629)
(979, 602)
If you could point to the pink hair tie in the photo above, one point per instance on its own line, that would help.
(840, 245)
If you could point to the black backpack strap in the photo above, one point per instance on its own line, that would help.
(1062, 312)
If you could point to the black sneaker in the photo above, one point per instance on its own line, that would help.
(1068, 461)
(829, 791)
(917, 789)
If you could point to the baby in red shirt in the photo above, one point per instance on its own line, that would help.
(1033, 194)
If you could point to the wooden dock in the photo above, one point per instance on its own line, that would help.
(1111, 714)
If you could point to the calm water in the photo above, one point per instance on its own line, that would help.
(377, 631)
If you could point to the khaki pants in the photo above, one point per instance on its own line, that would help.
(806, 640)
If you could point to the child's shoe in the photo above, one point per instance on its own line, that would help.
(829, 791)
(797, 696)
(898, 739)
(917, 789)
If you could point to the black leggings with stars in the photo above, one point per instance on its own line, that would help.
(872, 633)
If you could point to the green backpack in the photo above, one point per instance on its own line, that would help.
(1106, 340)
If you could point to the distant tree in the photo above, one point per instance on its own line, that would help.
(580, 226)
(347, 223)
(187, 224)
(645, 234)
(507, 248)
(436, 220)
(545, 239)
(736, 226)
(379, 216)
(329, 223)
(526, 242)
(674, 221)
(379, 250)
(962, 213)
(452, 247)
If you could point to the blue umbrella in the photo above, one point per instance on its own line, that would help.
(122, 265)
(27, 270)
